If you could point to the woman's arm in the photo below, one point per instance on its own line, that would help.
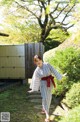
(35, 84)
(55, 72)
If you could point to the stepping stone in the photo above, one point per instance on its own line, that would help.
(34, 96)
(59, 111)
(36, 101)
(65, 107)
(33, 93)
(40, 106)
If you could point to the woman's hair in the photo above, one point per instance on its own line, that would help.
(37, 57)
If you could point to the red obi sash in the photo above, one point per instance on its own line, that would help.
(49, 79)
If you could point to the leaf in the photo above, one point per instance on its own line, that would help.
(48, 9)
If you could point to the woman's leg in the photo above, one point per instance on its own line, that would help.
(49, 98)
(45, 107)
(46, 98)
(46, 102)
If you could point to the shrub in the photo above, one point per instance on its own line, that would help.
(66, 61)
(73, 68)
(50, 43)
(73, 96)
(73, 115)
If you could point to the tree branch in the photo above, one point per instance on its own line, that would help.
(64, 24)
(55, 8)
(68, 13)
(42, 2)
(3, 34)
(46, 20)
(40, 23)
(49, 2)
(27, 9)
(53, 21)
(70, 26)
(38, 18)
(61, 11)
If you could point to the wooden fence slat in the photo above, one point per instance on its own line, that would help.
(32, 49)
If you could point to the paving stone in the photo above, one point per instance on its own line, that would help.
(40, 107)
(34, 97)
(59, 111)
(33, 93)
(65, 107)
(36, 100)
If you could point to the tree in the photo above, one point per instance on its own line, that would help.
(15, 23)
(49, 14)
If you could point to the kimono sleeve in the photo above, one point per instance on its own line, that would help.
(35, 84)
(55, 72)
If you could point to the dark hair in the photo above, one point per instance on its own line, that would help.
(37, 57)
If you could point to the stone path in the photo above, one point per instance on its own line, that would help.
(56, 109)
(35, 98)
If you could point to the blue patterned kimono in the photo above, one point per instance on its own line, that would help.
(38, 84)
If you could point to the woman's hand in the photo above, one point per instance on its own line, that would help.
(65, 74)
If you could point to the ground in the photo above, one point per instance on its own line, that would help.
(16, 101)
(24, 106)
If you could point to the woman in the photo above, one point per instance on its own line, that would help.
(44, 81)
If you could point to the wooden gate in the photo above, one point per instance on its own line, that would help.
(32, 49)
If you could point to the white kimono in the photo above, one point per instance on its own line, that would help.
(37, 83)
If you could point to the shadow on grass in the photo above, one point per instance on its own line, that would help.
(14, 100)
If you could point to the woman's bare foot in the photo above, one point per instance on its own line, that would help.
(30, 91)
(43, 111)
(47, 120)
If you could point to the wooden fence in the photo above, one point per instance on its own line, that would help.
(16, 61)
(30, 51)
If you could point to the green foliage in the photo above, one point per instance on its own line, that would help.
(48, 9)
(73, 1)
(50, 43)
(66, 61)
(72, 116)
(73, 96)
(73, 68)
(7, 2)
(77, 39)
(20, 32)
(43, 7)
(58, 35)
(55, 38)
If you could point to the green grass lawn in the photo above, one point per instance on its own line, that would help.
(15, 101)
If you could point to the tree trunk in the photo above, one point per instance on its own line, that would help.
(42, 39)
(44, 34)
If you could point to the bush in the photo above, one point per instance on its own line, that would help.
(50, 43)
(73, 68)
(73, 115)
(66, 61)
(73, 96)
